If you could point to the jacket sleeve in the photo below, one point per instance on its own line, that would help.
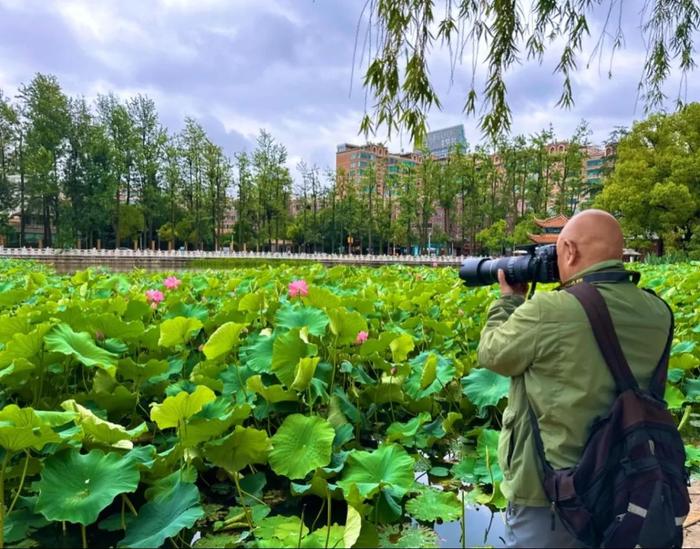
(509, 339)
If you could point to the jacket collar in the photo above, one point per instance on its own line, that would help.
(610, 264)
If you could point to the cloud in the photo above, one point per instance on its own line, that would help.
(283, 65)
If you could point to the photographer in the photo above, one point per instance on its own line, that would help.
(548, 349)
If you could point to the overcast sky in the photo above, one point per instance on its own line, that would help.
(283, 65)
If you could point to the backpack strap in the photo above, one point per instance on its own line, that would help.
(604, 332)
(657, 386)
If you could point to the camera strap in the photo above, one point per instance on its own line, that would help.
(604, 276)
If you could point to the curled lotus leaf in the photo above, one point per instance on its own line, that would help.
(103, 431)
(223, 340)
(174, 410)
(245, 446)
(76, 487)
(23, 428)
(178, 331)
(62, 339)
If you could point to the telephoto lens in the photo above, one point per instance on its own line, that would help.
(538, 265)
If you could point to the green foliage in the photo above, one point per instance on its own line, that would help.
(654, 187)
(230, 392)
(164, 517)
(403, 34)
(75, 487)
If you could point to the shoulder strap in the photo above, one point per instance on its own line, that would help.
(604, 332)
(657, 386)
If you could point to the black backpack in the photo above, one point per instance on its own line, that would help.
(629, 488)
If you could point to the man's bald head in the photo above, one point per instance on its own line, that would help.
(588, 238)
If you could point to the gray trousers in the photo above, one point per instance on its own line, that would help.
(532, 527)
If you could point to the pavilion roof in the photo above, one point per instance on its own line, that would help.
(543, 238)
(556, 221)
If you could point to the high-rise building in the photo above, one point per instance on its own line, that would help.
(441, 142)
(354, 161)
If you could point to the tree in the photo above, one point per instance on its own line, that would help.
(655, 187)
(46, 120)
(8, 152)
(123, 138)
(245, 203)
(149, 147)
(87, 185)
(273, 185)
(401, 34)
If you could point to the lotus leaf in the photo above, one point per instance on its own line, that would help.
(24, 346)
(407, 536)
(100, 430)
(164, 517)
(346, 324)
(223, 340)
(300, 445)
(431, 505)
(332, 536)
(353, 526)
(674, 397)
(485, 388)
(178, 330)
(401, 347)
(257, 353)
(136, 371)
(280, 531)
(294, 316)
(397, 431)
(286, 352)
(176, 409)
(271, 393)
(387, 467)
(62, 339)
(21, 522)
(76, 487)
(22, 428)
(430, 373)
(245, 446)
(305, 370)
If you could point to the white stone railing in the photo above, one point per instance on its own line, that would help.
(200, 254)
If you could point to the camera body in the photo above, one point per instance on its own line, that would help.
(538, 264)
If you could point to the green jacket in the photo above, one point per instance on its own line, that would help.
(546, 346)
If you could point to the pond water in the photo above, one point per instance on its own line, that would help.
(484, 528)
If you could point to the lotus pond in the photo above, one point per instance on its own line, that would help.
(278, 406)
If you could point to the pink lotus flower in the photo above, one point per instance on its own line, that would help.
(361, 337)
(172, 282)
(154, 296)
(435, 264)
(298, 287)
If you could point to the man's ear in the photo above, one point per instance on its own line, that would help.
(571, 256)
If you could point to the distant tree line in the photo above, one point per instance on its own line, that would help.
(109, 171)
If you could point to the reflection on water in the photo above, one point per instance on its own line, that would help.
(484, 528)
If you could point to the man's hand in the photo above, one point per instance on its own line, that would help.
(506, 289)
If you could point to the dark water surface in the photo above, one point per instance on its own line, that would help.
(484, 528)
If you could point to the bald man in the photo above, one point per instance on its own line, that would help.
(547, 348)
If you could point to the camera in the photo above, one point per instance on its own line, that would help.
(537, 264)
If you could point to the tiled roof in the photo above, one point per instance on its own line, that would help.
(543, 238)
(556, 221)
